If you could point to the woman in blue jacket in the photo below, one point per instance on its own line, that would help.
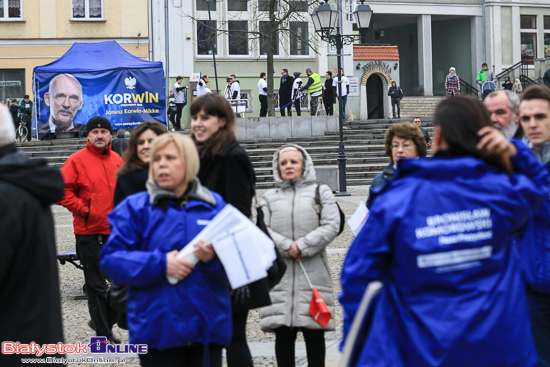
(439, 239)
(187, 323)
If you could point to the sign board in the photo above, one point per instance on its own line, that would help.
(125, 97)
(10, 83)
(353, 87)
(195, 77)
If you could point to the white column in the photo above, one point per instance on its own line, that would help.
(364, 111)
(424, 24)
(477, 46)
(497, 40)
(516, 35)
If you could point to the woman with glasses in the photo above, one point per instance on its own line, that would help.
(403, 140)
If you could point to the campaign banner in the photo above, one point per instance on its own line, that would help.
(126, 97)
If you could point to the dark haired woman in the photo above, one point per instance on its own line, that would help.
(403, 140)
(439, 239)
(132, 175)
(225, 168)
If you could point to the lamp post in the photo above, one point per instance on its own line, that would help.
(324, 20)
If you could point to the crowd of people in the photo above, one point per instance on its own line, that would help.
(459, 241)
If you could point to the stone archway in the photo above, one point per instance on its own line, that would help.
(374, 86)
(375, 97)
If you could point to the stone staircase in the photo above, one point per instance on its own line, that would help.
(363, 140)
(419, 107)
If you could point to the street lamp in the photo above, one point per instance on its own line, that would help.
(324, 20)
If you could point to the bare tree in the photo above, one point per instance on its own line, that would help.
(276, 17)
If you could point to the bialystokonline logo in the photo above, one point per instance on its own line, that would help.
(98, 345)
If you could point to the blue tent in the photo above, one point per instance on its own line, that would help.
(115, 84)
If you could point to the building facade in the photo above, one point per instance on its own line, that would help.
(37, 32)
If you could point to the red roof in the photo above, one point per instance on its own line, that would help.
(375, 53)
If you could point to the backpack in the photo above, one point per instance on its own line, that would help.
(342, 215)
(400, 93)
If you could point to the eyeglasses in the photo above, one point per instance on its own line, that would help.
(405, 146)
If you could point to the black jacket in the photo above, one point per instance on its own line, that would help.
(397, 92)
(230, 174)
(130, 183)
(285, 90)
(14, 110)
(329, 93)
(30, 309)
(119, 144)
(546, 78)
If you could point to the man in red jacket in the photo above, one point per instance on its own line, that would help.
(90, 181)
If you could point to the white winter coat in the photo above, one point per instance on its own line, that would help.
(291, 216)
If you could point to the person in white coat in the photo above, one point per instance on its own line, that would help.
(301, 230)
(202, 86)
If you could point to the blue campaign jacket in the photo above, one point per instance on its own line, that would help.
(534, 242)
(439, 238)
(195, 310)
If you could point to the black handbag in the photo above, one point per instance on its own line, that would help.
(118, 295)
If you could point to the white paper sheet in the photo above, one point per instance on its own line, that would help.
(358, 219)
(244, 250)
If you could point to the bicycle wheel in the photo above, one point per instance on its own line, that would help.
(22, 132)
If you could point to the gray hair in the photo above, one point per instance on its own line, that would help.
(7, 129)
(513, 98)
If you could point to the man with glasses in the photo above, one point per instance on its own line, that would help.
(64, 98)
(418, 122)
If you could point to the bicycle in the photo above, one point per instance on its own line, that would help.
(22, 131)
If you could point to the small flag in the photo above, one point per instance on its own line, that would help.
(318, 309)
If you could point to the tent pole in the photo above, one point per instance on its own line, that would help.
(166, 52)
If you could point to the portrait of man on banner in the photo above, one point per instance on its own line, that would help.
(64, 99)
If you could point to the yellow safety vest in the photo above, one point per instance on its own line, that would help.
(316, 86)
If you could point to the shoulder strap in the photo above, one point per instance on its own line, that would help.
(318, 200)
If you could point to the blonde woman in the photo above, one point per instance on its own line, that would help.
(185, 323)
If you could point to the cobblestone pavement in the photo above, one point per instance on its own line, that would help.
(75, 312)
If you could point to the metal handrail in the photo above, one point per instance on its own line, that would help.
(468, 88)
(526, 81)
(510, 69)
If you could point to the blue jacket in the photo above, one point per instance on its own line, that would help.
(439, 238)
(196, 309)
(534, 242)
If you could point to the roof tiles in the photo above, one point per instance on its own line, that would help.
(375, 53)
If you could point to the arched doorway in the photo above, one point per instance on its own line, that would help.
(375, 97)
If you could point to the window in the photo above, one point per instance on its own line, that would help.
(236, 5)
(547, 36)
(528, 21)
(206, 35)
(203, 5)
(87, 9)
(298, 5)
(238, 37)
(299, 38)
(528, 37)
(528, 46)
(265, 37)
(12, 84)
(10, 9)
(263, 5)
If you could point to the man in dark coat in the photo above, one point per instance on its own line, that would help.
(285, 92)
(30, 310)
(120, 142)
(329, 94)
(546, 78)
(14, 110)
